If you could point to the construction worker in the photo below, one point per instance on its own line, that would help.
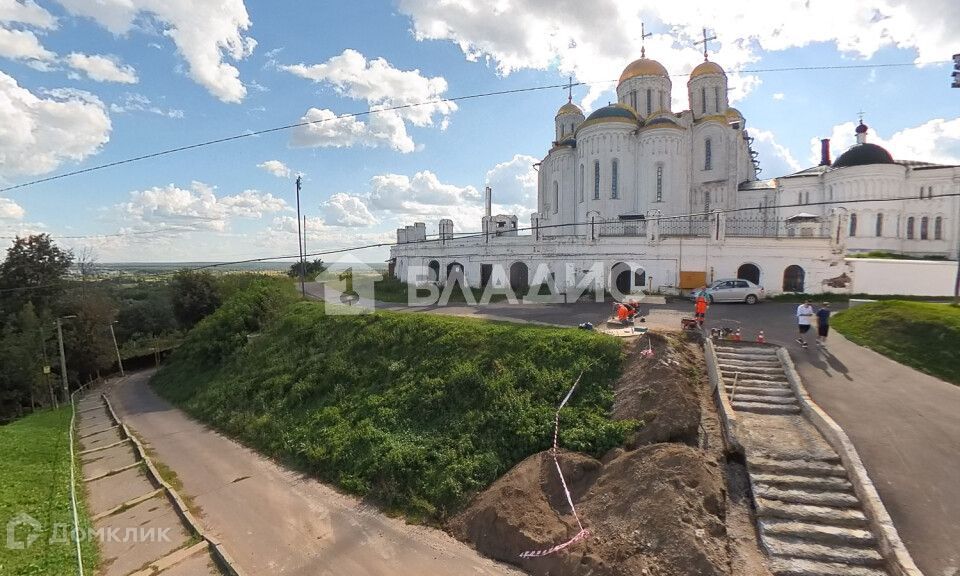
(701, 306)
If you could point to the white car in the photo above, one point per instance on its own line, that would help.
(733, 290)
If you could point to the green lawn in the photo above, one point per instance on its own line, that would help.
(35, 480)
(923, 335)
(417, 412)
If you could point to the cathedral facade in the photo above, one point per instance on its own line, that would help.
(638, 197)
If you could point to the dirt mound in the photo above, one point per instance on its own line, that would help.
(662, 392)
(657, 510)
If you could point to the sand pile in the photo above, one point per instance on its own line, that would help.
(656, 507)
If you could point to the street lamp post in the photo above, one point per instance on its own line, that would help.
(115, 347)
(63, 358)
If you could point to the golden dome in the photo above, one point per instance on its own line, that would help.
(643, 67)
(569, 108)
(733, 113)
(706, 67)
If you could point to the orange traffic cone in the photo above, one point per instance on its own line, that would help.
(760, 337)
(736, 335)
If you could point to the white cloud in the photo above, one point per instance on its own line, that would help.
(23, 45)
(135, 102)
(595, 40)
(936, 141)
(401, 193)
(323, 128)
(38, 134)
(380, 84)
(102, 68)
(515, 182)
(276, 167)
(196, 208)
(345, 210)
(778, 96)
(767, 139)
(10, 210)
(26, 12)
(205, 33)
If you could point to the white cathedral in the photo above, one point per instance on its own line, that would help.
(665, 201)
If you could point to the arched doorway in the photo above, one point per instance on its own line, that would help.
(620, 278)
(749, 272)
(434, 275)
(454, 271)
(793, 278)
(519, 277)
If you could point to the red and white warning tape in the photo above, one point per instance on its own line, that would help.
(583, 533)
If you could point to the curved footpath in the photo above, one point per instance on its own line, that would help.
(276, 521)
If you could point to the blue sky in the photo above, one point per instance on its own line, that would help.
(84, 83)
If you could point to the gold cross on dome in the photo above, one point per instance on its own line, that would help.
(643, 36)
(705, 43)
(569, 86)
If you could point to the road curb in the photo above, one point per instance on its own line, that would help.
(891, 547)
(220, 555)
(728, 418)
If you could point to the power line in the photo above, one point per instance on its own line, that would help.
(264, 131)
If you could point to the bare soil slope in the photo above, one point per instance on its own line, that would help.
(655, 507)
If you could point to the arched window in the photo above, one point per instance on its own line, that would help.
(633, 99)
(707, 154)
(806, 197)
(556, 197)
(879, 230)
(615, 179)
(581, 182)
(793, 277)
(649, 102)
(853, 225)
(924, 228)
(596, 179)
(910, 228)
(799, 197)
(938, 228)
(660, 183)
(829, 192)
(716, 99)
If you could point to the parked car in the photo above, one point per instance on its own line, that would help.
(732, 290)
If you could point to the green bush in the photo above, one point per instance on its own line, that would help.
(416, 411)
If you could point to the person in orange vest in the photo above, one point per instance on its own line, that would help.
(701, 306)
(623, 313)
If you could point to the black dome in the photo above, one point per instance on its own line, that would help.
(863, 155)
(613, 111)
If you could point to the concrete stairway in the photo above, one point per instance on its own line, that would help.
(810, 520)
(754, 380)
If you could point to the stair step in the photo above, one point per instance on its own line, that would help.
(846, 517)
(749, 360)
(765, 408)
(801, 567)
(747, 355)
(819, 498)
(733, 368)
(820, 533)
(794, 548)
(782, 384)
(803, 482)
(810, 467)
(731, 374)
(758, 350)
(760, 391)
(742, 397)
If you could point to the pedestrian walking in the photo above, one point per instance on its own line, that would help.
(700, 307)
(804, 318)
(823, 324)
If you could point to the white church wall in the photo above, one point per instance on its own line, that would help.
(902, 277)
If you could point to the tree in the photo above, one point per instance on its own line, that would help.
(22, 382)
(32, 272)
(86, 338)
(311, 269)
(194, 296)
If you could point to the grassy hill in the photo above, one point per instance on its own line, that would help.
(415, 411)
(923, 335)
(35, 480)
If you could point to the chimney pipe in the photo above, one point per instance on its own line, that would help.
(488, 200)
(825, 152)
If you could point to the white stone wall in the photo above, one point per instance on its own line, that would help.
(902, 277)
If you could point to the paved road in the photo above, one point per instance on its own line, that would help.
(905, 424)
(275, 521)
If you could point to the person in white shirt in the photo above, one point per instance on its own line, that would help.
(804, 318)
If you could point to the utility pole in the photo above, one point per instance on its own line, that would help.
(303, 289)
(115, 347)
(46, 369)
(63, 359)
